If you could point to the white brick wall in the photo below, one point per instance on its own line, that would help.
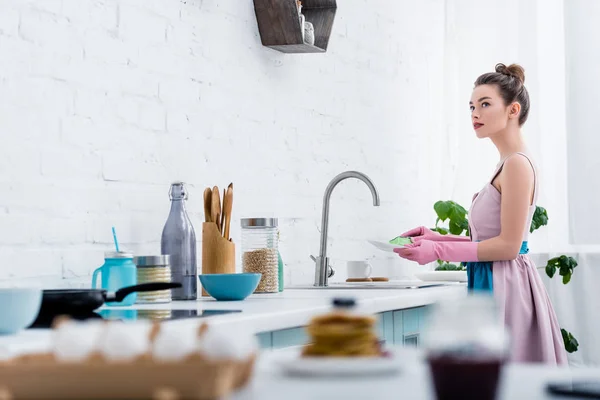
(104, 103)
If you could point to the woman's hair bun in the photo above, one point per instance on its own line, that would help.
(514, 70)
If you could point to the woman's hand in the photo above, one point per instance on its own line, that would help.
(427, 251)
(421, 233)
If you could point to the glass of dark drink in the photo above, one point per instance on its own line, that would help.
(466, 345)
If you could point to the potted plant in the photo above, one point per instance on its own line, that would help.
(457, 224)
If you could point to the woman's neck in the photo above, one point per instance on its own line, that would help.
(508, 142)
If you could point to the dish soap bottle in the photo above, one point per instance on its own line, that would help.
(179, 242)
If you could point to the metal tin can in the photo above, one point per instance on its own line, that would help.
(152, 269)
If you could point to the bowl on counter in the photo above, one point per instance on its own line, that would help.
(230, 287)
(19, 307)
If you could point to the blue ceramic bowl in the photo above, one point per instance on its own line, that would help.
(19, 307)
(230, 287)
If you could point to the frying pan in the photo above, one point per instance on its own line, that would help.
(83, 301)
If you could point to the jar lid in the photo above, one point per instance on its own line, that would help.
(152, 261)
(259, 222)
(117, 254)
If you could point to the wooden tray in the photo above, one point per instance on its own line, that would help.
(40, 376)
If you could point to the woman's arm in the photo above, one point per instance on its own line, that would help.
(516, 182)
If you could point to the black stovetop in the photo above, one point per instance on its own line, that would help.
(133, 315)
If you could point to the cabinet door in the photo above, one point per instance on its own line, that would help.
(411, 332)
(398, 327)
(385, 327)
(289, 337)
(265, 340)
(423, 317)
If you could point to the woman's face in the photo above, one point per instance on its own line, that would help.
(489, 115)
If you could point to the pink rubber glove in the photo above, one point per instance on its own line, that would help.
(427, 251)
(424, 233)
(421, 233)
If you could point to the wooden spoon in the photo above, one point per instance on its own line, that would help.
(215, 210)
(223, 214)
(227, 207)
(207, 204)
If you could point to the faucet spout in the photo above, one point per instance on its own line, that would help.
(322, 270)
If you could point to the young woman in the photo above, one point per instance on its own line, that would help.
(499, 220)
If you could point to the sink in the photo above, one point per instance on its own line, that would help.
(372, 285)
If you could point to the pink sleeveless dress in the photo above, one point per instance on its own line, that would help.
(517, 286)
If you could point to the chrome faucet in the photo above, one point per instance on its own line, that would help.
(323, 270)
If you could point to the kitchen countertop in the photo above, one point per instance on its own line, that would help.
(518, 381)
(264, 312)
(294, 307)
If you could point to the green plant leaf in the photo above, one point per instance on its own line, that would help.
(550, 270)
(565, 266)
(571, 344)
(440, 230)
(572, 262)
(456, 216)
(540, 218)
(455, 228)
(461, 209)
(442, 209)
(446, 266)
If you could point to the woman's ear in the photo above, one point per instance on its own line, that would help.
(515, 110)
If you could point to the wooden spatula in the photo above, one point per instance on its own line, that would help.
(227, 207)
(207, 204)
(216, 207)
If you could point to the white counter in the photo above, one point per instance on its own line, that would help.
(518, 381)
(265, 312)
(293, 308)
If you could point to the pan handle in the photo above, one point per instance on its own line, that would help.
(144, 287)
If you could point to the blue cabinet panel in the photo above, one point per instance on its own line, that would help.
(398, 327)
(289, 337)
(265, 340)
(410, 320)
(388, 327)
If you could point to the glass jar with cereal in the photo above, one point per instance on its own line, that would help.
(260, 252)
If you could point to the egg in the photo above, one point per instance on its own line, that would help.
(124, 341)
(74, 341)
(174, 342)
(222, 343)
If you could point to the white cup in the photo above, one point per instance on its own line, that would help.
(359, 269)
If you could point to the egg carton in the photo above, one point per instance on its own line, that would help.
(44, 376)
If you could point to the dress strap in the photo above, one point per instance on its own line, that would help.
(535, 179)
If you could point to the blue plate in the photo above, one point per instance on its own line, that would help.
(230, 287)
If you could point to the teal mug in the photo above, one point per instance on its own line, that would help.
(117, 272)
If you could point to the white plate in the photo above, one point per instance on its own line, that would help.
(292, 363)
(385, 246)
(442, 276)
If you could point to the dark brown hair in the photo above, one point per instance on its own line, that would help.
(511, 84)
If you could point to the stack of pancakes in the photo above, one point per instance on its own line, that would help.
(342, 334)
